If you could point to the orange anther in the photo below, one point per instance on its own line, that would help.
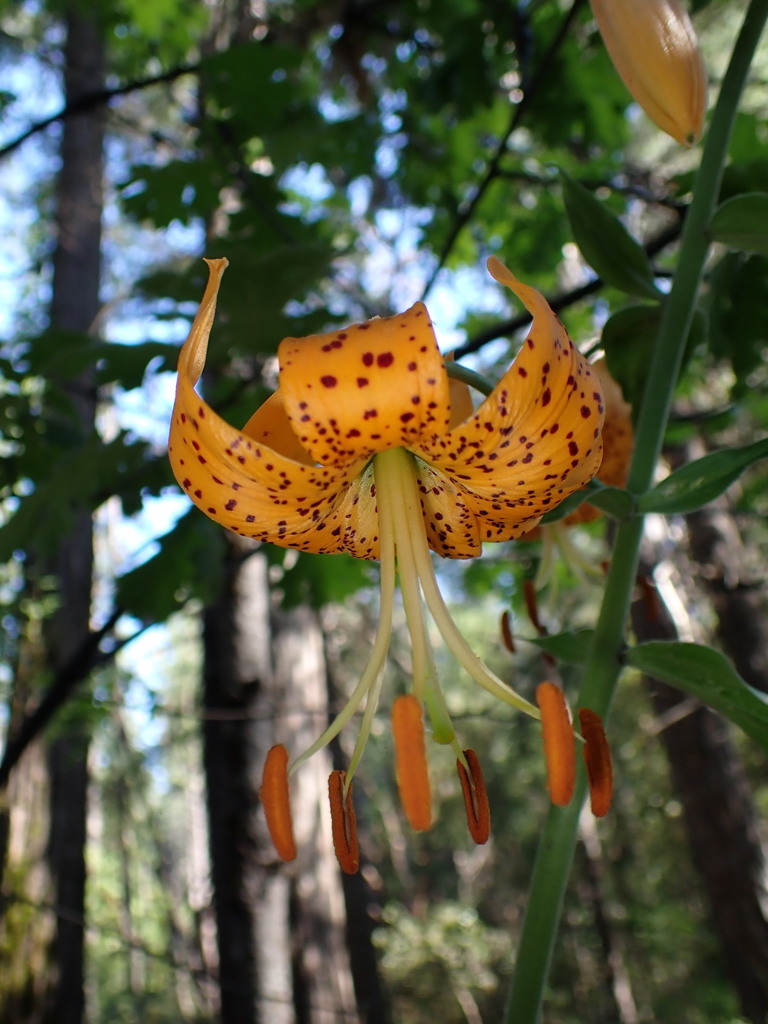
(475, 798)
(411, 762)
(506, 632)
(597, 757)
(276, 798)
(343, 823)
(559, 743)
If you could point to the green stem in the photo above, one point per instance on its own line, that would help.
(558, 839)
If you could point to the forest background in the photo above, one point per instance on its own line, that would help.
(349, 159)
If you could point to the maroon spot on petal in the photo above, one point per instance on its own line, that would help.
(230, 504)
(573, 448)
(406, 417)
(362, 382)
(586, 412)
(546, 397)
(328, 381)
(367, 358)
(384, 359)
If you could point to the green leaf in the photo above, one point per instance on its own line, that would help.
(737, 303)
(606, 244)
(742, 223)
(693, 485)
(80, 476)
(612, 500)
(707, 674)
(571, 647)
(628, 339)
(188, 564)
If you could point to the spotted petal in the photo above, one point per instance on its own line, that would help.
(269, 491)
(367, 388)
(531, 443)
(298, 474)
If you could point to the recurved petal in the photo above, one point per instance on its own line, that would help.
(247, 485)
(270, 425)
(452, 526)
(534, 440)
(366, 388)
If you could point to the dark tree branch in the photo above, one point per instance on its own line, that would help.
(79, 666)
(92, 100)
(492, 170)
(563, 301)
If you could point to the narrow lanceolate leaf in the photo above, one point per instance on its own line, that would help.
(707, 674)
(475, 797)
(606, 244)
(559, 743)
(276, 799)
(629, 337)
(742, 223)
(571, 647)
(411, 762)
(615, 501)
(699, 482)
(343, 823)
(597, 758)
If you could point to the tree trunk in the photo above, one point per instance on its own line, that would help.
(45, 980)
(282, 952)
(74, 307)
(323, 982)
(721, 820)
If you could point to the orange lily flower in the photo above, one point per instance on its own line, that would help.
(369, 447)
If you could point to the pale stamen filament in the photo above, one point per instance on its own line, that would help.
(370, 680)
(454, 640)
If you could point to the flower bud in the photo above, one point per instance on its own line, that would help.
(653, 46)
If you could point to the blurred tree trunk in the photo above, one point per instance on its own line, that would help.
(75, 307)
(281, 929)
(708, 773)
(45, 980)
